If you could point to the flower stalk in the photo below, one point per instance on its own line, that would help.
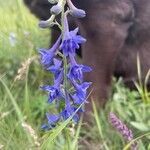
(68, 74)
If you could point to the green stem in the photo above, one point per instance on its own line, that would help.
(67, 147)
(62, 14)
(65, 72)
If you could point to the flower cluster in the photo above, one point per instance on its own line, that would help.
(58, 8)
(61, 61)
(122, 129)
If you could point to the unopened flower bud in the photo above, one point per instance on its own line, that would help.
(79, 13)
(43, 24)
(56, 9)
(48, 23)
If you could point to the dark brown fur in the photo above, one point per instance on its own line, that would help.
(116, 31)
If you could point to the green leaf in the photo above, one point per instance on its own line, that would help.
(140, 126)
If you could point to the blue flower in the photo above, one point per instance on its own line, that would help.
(79, 13)
(69, 110)
(56, 68)
(52, 120)
(76, 71)
(70, 40)
(54, 91)
(68, 44)
(47, 55)
(81, 89)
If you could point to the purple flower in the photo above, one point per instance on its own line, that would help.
(56, 68)
(123, 129)
(54, 91)
(76, 71)
(81, 90)
(79, 13)
(52, 120)
(70, 40)
(47, 55)
(69, 110)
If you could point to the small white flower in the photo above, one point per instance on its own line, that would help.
(12, 39)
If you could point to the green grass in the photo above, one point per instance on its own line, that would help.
(16, 19)
(22, 103)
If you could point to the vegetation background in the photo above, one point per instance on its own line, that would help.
(23, 105)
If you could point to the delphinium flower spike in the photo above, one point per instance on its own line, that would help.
(60, 60)
(122, 129)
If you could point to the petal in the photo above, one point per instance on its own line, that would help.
(45, 127)
(52, 119)
(79, 39)
(76, 99)
(45, 87)
(46, 57)
(85, 85)
(76, 118)
(74, 32)
(57, 62)
(86, 68)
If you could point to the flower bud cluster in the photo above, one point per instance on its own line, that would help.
(57, 8)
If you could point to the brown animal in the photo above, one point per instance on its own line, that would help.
(116, 30)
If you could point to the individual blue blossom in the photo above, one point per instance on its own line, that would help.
(52, 120)
(76, 71)
(69, 110)
(70, 40)
(81, 92)
(56, 68)
(55, 90)
(46, 56)
(79, 13)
